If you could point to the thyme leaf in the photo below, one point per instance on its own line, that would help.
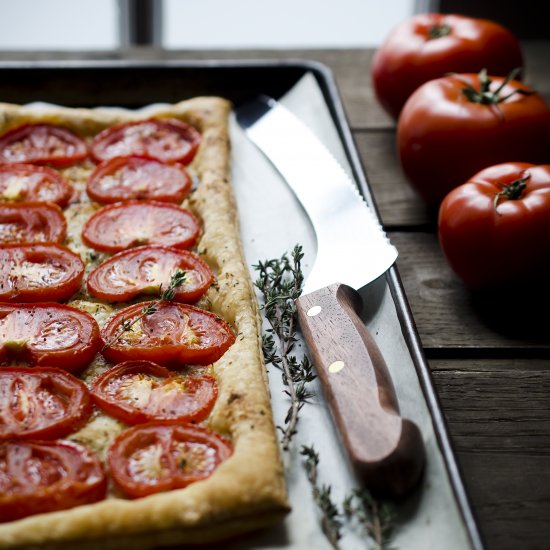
(376, 519)
(177, 279)
(280, 282)
(331, 518)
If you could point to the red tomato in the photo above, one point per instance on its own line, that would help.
(31, 222)
(430, 45)
(133, 178)
(160, 456)
(147, 270)
(41, 403)
(140, 391)
(48, 334)
(39, 273)
(123, 225)
(44, 476)
(26, 182)
(42, 144)
(448, 130)
(493, 228)
(175, 334)
(167, 140)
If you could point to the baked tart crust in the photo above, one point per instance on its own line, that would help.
(247, 491)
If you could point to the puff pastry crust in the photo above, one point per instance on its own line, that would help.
(247, 491)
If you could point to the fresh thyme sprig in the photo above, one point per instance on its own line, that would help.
(331, 522)
(177, 279)
(280, 282)
(377, 519)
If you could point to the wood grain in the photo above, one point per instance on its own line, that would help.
(452, 321)
(398, 203)
(499, 420)
(386, 450)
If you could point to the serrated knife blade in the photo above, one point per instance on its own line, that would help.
(351, 245)
(385, 449)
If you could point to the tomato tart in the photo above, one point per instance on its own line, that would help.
(135, 406)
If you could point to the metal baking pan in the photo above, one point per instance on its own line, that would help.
(135, 84)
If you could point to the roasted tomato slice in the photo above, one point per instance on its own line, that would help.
(45, 476)
(26, 182)
(48, 334)
(39, 273)
(31, 222)
(139, 391)
(42, 144)
(159, 456)
(147, 270)
(137, 178)
(133, 223)
(41, 403)
(167, 140)
(174, 334)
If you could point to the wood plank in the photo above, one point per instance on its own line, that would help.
(399, 205)
(499, 420)
(537, 64)
(448, 316)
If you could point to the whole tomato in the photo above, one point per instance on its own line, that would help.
(430, 45)
(453, 127)
(495, 229)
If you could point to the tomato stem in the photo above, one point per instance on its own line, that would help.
(438, 31)
(512, 191)
(484, 96)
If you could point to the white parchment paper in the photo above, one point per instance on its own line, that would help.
(272, 222)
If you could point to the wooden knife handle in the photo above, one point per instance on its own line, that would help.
(386, 450)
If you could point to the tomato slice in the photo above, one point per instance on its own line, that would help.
(45, 476)
(135, 178)
(26, 182)
(147, 270)
(139, 391)
(42, 144)
(167, 140)
(160, 456)
(174, 334)
(41, 403)
(48, 334)
(123, 225)
(31, 222)
(39, 272)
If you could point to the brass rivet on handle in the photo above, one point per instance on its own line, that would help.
(335, 367)
(312, 311)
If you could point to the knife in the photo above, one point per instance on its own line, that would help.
(385, 450)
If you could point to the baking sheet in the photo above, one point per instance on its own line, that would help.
(272, 222)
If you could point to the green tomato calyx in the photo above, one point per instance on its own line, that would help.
(486, 96)
(512, 191)
(438, 31)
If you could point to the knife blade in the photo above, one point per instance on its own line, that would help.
(385, 449)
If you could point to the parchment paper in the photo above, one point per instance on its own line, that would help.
(272, 222)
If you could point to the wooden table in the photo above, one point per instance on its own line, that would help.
(490, 361)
